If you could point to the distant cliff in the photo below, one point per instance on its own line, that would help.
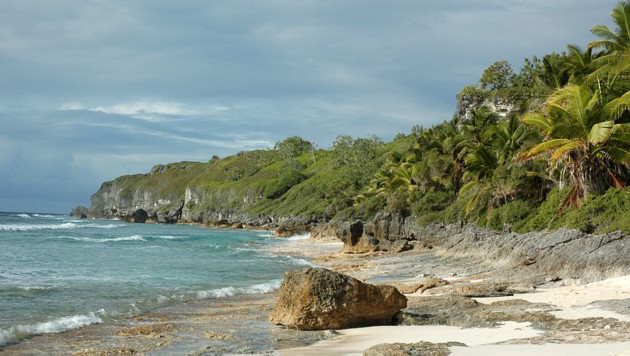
(292, 184)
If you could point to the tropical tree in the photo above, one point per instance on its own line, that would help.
(481, 119)
(579, 63)
(584, 140)
(481, 162)
(618, 40)
(555, 74)
(612, 67)
(508, 137)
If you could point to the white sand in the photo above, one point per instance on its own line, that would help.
(612, 349)
(355, 341)
(573, 300)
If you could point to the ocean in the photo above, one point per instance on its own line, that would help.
(58, 273)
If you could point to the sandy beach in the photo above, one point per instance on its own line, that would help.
(560, 317)
(567, 317)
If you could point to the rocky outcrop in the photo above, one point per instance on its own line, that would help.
(296, 225)
(559, 254)
(466, 104)
(79, 212)
(387, 232)
(320, 299)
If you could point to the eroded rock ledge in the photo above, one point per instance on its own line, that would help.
(564, 253)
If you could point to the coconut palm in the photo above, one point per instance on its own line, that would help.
(618, 40)
(555, 73)
(612, 68)
(508, 137)
(583, 139)
(579, 63)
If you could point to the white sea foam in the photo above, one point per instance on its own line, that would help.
(23, 216)
(232, 291)
(299, 261)
(169, 237)
(19, 332)
(44, 216)
(64, 226)
(266, 234)
(304, 236)
(113, 239)
(36, 288)
(128, 238)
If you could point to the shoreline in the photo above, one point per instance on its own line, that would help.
(200, 326)
(594, 317)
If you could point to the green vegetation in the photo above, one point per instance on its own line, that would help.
(560, 157)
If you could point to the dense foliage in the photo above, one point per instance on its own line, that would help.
(559, 155)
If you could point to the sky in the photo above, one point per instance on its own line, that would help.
(93, 89)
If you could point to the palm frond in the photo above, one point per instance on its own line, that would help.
(546, 146)
(600, 132)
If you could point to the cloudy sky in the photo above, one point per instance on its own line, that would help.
(94, 89)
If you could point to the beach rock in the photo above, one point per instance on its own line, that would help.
(422, 285)
(422, 348)
(320, 299)
(480, 290)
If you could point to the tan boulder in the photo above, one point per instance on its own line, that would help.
(320, 299)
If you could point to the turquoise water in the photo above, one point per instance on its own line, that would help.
(58, 273)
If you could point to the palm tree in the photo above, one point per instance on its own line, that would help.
(555, 74)
(618, 40)
(449, 151)
(508, 137)
(612, 68)
(579, 63)
(481, 119)
(584, 139)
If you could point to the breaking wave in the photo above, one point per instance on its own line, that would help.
(304, 236)
(20, 332)
(64, 226)
(225, 292)
(113, 239)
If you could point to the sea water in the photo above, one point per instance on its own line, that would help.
(59, 273)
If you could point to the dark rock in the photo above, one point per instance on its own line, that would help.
(139, 216)
(354, 240)
(320, 299)
(79, 212)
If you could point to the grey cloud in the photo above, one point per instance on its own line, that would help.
(144, 82)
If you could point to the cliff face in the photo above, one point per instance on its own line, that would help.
(114, 200)
(466, 104)
(166, 197)
(250, 188)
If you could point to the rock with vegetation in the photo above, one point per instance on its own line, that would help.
(320, 299)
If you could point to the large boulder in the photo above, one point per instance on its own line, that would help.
(320, 299)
